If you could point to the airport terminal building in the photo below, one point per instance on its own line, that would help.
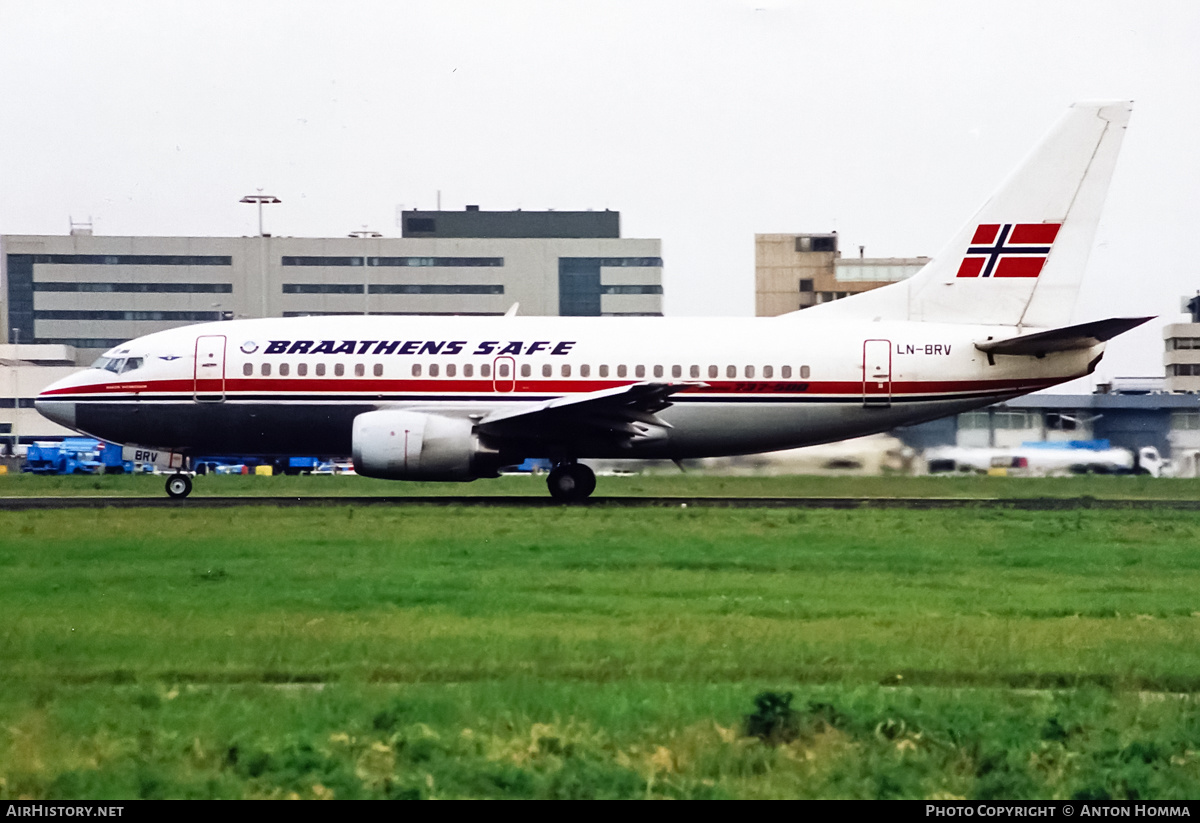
(91, 292)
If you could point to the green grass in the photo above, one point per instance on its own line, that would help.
(666, 484)
(457, 652)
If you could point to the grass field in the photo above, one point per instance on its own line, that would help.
(595, 652)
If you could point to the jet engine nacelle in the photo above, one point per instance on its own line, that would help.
(404, 445)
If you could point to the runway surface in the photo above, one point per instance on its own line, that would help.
(202, 502)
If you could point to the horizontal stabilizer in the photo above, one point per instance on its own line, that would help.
(1069, 338)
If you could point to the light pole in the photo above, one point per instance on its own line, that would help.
(261, 199)
(366, 233)
(16, 426)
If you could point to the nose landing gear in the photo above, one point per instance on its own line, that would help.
(179, 486)
(571, 482)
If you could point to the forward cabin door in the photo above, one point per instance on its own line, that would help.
(877, 373)
(208, 384)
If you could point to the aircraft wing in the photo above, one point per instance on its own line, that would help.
(1068, 338)
(623, 413)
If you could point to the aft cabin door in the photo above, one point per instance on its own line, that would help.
(209, 376)
(877, 373)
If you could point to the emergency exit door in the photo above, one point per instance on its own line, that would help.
(877, 373)
(209, 375)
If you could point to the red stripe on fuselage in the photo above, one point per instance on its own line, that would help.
(436, 387)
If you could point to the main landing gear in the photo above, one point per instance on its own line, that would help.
(571, 482)
(179, 486)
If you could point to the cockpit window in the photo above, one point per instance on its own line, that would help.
(131, 364)
(101, 363)
(115, 365)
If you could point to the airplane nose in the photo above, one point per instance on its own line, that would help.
(61, 412)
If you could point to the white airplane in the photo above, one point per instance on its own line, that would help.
(456, 398)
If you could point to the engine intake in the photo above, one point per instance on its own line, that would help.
(404, 445)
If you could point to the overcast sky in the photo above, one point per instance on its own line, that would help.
(703, 122)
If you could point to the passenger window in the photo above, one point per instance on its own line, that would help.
(604, 371)
(320, 370)
(731, 371)
(785, 372)
(547, 370)
(284, 369)
(378, 370)
(248, 369)
(677, 371)
(468, 370)
(658, 371)
(266, 369)
(621, 371)
(450, 370)
(503, 370)
(694, 372)
(749, 371)
(712, 371)
(339, 369)
(639, 371)
(526, 370)
(433, 369)
(768, 371)
(804, 372)
(301, 369)
(416, 370)
(485, 370)
(585, 370)
(359, 370)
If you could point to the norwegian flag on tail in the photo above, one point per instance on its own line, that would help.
(1008, 250)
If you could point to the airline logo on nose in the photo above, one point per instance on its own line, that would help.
(1008, 250)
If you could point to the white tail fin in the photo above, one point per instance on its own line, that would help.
(1020, 260)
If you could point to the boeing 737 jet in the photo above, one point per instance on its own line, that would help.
(457, 398)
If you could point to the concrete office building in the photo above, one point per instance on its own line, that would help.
(93, 292)
(795, 271)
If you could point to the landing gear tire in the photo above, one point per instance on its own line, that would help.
(179, 486)
(571, 482)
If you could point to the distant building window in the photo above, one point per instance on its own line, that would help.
(1189, 420)
(824, 244)
(434, 288)
(806, 284)
(1015, 419)
(974, 420)
(1177, 343)
(419, 224)
(322, 288)
(631, 290)
(1183, 370)
(136, 288)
